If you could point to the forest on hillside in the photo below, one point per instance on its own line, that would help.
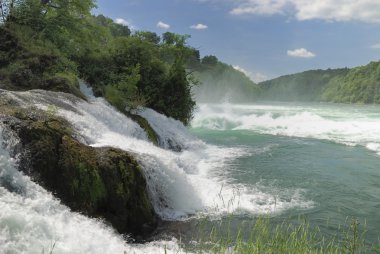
(357, 85)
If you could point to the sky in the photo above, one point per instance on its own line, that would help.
(263, 38)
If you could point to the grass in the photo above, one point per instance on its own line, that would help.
(287, 238)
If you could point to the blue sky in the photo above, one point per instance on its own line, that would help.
(264, 38)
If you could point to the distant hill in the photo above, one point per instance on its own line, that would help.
(304, 86)
(356, 85)
(220, 82)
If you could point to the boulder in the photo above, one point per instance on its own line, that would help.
(104, 183)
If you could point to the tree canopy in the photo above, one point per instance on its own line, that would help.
(50, 44)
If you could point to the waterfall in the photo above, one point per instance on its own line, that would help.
(33, 221)
(192, 182)
(182, 184)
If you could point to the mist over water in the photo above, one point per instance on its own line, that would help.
(224, 83)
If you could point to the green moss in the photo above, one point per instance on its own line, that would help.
(120, 189)
(116, 99)
(91, 187)
(100, 182)
(74, 186)
(152, 136)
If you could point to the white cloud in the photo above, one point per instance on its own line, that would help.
(329, 10)
(301, 52)
(163, 25)
(199, 26)
(375, 46)
(125, 23)
(263, 7)
(121, 22)
(256, 77)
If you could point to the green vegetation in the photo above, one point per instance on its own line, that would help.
(50, 44)
(221, 82)
(305, 86)
(288, 238)
(359, 85)
(356, 85)
(144, 124)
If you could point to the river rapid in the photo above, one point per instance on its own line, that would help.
(236, 161)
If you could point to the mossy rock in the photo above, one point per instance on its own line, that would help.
(100, 182)
(144, 124)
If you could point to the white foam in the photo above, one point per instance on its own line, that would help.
(86, 90)
(33, 221)
(192, 182)
(171, 132)
(374, 147)
(339, 124)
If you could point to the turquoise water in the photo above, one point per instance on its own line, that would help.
(319, 161)
(324, 155)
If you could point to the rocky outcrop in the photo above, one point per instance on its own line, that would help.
(105, 183)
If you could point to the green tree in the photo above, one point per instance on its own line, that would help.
(210, 60)
(117, 30)
(50, 43)
(175, 39)
(178, 102)
(148, 36)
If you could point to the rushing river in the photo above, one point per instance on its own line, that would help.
(327, 154)
(237, 162)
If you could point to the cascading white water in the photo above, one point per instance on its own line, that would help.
(33, 221)
(181, 184)
(172, 133)
(337, 123)
(192, 182)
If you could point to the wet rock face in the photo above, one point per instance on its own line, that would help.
(100, 182)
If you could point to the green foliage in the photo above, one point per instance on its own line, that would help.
(357, 85)
(210, 60)
(158, 85)
(148, 36)
(127, 86)
(116, 30)
(305, 86)
(49, 44)
(113, 96)
(124, 94)
(175, 39)
(34, 63)
(288, 238)
(58, 21)
(178, 102)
